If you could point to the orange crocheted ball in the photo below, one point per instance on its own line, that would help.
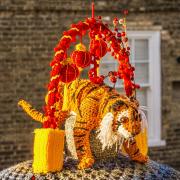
(98, 47)
(81, 58)
(68, 73)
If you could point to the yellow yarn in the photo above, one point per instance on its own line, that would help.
(86, 23)
(80, 47)
(46, 98)
(48, 150)
(141, 140)
(75, 29)
(68, 37)
(74, 85)
(98, 69)
(55, 77)
(65, 106)
(67, 61)
(59, 52)
(32, 112)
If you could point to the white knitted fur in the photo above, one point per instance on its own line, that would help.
(106, 135)
(123, 132)
(69, 125)
(144, 122)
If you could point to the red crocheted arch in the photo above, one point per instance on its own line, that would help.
(102, 39)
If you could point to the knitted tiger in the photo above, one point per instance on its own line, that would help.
(116, 118)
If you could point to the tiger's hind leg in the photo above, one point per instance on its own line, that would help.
(85, 122)
(83, 150)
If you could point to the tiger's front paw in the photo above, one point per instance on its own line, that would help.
(86, 162)
(140, 158)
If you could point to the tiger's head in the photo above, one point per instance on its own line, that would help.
(122, 120)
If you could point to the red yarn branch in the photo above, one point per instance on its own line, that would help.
(92, 6)
(65, 71)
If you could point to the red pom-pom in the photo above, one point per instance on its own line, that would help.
(49, 111)
(113, 79)
(53, 84)
(81, 58)
(123, 34)
(56, 70)
(125, 12)
(115, 21)
(98, 47)
(59, 56)
(72, 32)
(46, 124)
(68, 73)
(51, 122)
(97, 79)
(51, 99)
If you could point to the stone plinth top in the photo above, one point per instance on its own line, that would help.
(119, 168)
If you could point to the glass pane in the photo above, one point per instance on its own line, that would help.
(106, 67)
(121, 90)
(131, 49)
(141, 49)
(107, 58)
(119, 83)
(141, 95)
(130, 43)
(104, 70)
(141, 73)
(84, 73)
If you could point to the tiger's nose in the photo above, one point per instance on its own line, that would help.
(134, 134)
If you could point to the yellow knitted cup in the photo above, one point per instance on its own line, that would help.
(48, 150)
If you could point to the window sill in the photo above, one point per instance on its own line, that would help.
(156, 143)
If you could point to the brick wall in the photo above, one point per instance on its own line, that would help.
(28, 32)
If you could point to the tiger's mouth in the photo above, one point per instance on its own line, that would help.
(123, 132)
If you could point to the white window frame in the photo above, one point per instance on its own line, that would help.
(154, 85)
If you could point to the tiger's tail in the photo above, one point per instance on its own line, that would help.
(34, 114)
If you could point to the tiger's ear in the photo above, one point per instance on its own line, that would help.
(142, 141)
(117, 105)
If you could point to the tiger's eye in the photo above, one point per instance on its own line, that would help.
(124, 119)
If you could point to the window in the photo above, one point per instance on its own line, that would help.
(145, 56)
